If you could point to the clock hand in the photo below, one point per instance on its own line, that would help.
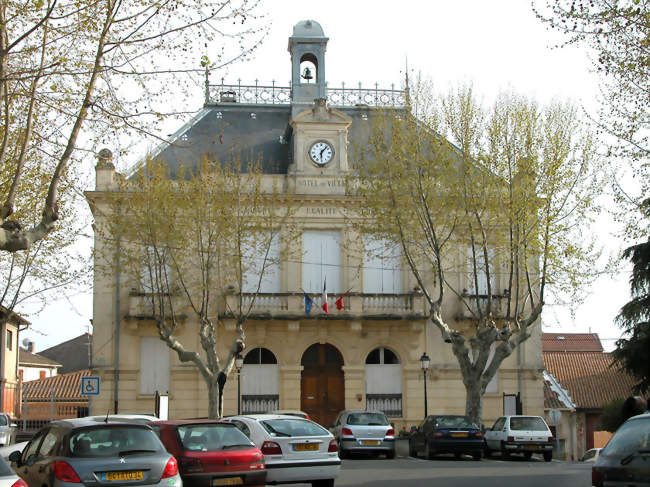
(321, 152)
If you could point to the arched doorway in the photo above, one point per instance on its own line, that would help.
(322, 384)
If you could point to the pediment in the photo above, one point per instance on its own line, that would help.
(320, 113)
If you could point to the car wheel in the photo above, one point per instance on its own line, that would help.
(476, 456)
(487, 452)
(343, 453)
(428, 452)
(457, 455)
(323, 483)
(504, 453)
(548, 455)
(528, 455)
(390, 455)
(412, 452)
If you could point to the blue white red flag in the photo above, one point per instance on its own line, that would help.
(326, 306)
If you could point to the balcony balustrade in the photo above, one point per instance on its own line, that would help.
(389, 404)
(498, 306)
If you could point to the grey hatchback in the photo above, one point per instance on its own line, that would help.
(96, 452)
(364, 432)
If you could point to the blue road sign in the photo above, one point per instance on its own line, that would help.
(90, 386)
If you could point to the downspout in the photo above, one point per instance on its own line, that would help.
(520, 378)
(116, 350)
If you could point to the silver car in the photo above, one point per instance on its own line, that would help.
(95, 452)
(364, 432)
(7, 430)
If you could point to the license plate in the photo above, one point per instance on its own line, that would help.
(133, 475)
(306, 447)
(371, 442)
(459, 435)
(228, 481)
(531, 447)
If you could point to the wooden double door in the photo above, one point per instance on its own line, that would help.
(322, 383)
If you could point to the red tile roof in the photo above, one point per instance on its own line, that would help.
(571, 342)
(66, 387)
(588, 377)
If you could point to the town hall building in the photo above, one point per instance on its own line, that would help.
(366, 355)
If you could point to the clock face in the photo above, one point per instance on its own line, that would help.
(321, 153)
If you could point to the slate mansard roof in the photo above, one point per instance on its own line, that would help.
(258, 133)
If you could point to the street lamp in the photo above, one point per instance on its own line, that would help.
(424, 363)
(239, 362)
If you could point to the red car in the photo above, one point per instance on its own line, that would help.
(212, 453)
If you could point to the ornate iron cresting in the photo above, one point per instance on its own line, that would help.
(281, 95)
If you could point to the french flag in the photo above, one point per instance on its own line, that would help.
(325, 306)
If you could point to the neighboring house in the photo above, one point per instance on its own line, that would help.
(73, 355)
(10, 327)
(366, 356)
(580, 380)
(55, 397)
(33, 366)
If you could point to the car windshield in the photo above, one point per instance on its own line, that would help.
(293, 427)
(110, 441)
(212, 437)
(454, 422)
(528, 424)
(631, 437)
(367, 419)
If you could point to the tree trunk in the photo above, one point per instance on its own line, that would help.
(474, 402)
(213, 399)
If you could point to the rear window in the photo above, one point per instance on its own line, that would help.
(110, 441)
(367, 419)
(528, 424)
(454, 422)
(293, 427)
(631, 437)
(211, 437)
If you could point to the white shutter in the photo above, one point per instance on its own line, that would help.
(321, 258)
(154, 365)
(259, 380)
(382, 267)
(254, 263)
(383, 378)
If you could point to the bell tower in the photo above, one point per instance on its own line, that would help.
(307, 46)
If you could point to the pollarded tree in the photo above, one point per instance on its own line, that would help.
(487, 207)
(199, 245)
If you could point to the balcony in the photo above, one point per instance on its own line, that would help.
(498, 309)
(256, 404)
(291, 306)
(389, 404)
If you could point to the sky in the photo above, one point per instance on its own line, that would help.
(496, 45)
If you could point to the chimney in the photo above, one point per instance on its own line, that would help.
(30, 347)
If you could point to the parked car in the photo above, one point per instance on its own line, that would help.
(446, 434)
(520, 434)
(7, 430)
(136, 417)
(364, 432)
(591, 455)
(296, 450)
(95, 452)
(8, 477)
(625, 460)
(212, 453)
(291, 412)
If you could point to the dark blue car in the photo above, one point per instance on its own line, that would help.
(446, 434)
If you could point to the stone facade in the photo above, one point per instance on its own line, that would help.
(388, 326)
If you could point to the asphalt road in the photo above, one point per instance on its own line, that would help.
(448, 472)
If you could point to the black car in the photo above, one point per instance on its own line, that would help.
(446, 434)
(626, 458)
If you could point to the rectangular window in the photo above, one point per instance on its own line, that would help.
(382, 267)
(156, 272)
(321, 259)
(154, 365)
(481, 271)
(257, 262)
(10, 340)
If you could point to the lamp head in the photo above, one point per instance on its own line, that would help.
(239, 361)
(424, 361)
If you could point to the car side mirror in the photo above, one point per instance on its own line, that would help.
(14, 457)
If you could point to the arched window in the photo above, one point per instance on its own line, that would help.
(260, 356)
(308, 68)
(384, 382)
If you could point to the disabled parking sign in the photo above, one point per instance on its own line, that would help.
(90, 386)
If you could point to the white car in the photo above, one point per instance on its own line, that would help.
(8, 477)
(296, 450)
(520, 434)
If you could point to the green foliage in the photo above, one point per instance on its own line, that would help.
(612, 416)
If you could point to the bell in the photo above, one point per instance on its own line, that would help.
(306, 74)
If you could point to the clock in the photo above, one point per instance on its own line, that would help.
(321, 152)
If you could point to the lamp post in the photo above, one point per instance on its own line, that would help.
(239, 362)
(424, 363)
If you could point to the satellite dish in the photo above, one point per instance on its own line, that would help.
(26, 342)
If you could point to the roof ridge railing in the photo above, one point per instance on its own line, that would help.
(257, 94)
